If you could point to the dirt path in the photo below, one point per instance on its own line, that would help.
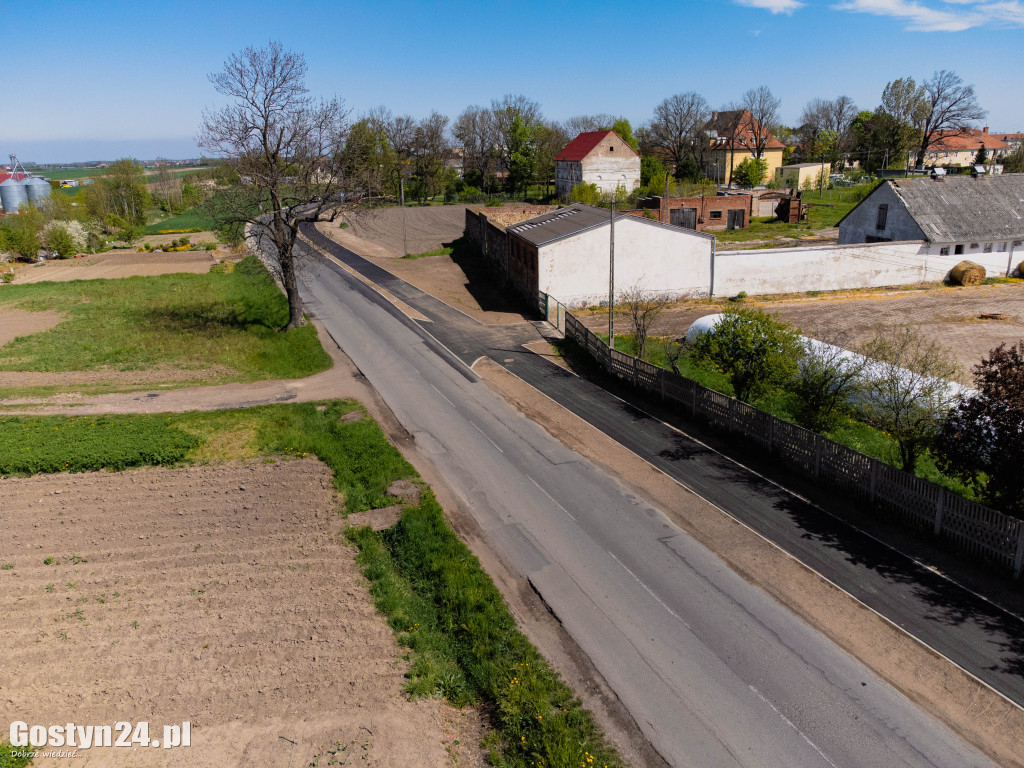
(114, 264)
(340, 381)
(223, 596)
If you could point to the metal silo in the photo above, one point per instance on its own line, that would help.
(13, 194)
(37, 189)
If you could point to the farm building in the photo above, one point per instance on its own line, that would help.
(706, 214)
(802, 175)
(955, 215)
(565, 253)
(597, 157)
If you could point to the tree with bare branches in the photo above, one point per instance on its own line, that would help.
(907, 389)
(763, 107)
(678, 128)
(951, 109)
(286, 147)
(643, 307)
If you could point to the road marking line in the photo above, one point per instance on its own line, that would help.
(650, 592)
(442, 395)
(486, 436)
(551, 497)
(790, 724)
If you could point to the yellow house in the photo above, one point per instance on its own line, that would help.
(802, 175)
(734, 138)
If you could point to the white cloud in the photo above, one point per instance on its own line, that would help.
(775, 6)
(951, 16)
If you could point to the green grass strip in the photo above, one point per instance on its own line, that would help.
(8, 760)
(465, 644)
(81, 443)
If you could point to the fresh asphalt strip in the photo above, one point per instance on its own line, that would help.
(972, 632)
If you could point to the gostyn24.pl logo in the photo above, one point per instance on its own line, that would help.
(120, 734)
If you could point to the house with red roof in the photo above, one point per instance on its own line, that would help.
(735, 136)
(950, 148)
(597, 157)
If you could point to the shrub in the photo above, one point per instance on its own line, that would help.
(7, 277)
(755, 350)
(65, 238)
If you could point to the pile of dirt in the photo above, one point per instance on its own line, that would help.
(426, 228)
(222, 596)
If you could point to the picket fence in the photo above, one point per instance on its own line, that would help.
(976, 529)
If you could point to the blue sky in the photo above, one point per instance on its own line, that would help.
(101, 80)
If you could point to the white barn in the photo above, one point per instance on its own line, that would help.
(597, 157)
(957, 216)
(564, 253)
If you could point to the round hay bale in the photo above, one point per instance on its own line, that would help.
(1019, 271)
(967, 273)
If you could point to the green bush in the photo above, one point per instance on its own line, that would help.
(466, 644)
(8, 760)
(7, 277)
(85, 443)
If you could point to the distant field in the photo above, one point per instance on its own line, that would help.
(189, 220)
(81, 173)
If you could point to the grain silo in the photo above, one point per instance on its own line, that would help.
(13, 194)
(38, 189)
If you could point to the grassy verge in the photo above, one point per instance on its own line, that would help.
(353, 446)
(180, 320)
(465, 645)
(7, 760)
(436, 252)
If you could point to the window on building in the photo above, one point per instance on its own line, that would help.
(958, 250)
(876, 239)
(987, 248)
(1002, 247)
(714, 214)
(883, 214)
(974, 246)
(944, 250)
(611, 149)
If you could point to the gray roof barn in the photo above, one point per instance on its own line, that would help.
(576, 218)
(961, 208)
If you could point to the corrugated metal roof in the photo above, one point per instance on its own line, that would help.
(961, 208)
(564, 222)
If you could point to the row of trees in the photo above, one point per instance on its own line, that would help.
(900, 383)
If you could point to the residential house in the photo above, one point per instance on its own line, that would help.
(565, 253)
(597, 157)
(1012, 140)
(802, 175)
(956, 215)
(733, 140)
(960, 149)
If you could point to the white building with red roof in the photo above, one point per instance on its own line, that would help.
(597, 157)
(950, 148)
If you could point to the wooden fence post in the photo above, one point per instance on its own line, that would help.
(817, 454)
(693, 400)
(732, 414)
(1018, 560)
(940, 505)
(874, 480)
(771, 435)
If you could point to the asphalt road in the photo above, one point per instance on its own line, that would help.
(714, 671)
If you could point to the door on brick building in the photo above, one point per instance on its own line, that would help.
(684, 217)
(735, 220)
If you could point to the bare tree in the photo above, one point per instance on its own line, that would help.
(841, 114)
(286, 147)
(432, 147)
(678, 127)
(643, 307)
(907, 389)
(764, 108)
(476, 130)
(951, 109)
(578, 124)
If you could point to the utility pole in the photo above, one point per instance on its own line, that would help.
(611, 280)
(821, 180)
(401, 194)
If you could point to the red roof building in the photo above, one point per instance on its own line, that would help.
(597, 157)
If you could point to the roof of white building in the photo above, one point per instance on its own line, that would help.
(576, 218)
